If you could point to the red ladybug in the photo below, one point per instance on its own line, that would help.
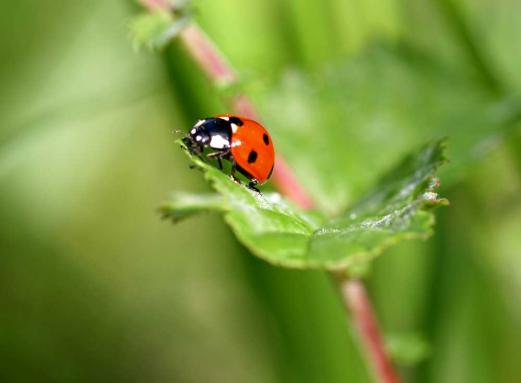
(244, 142)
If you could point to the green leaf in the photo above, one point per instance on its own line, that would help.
(265, 223)
(365, 112)
(183, 205)
(398, 208)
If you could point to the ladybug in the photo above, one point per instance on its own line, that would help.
(242, 141)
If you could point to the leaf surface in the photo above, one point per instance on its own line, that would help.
(399, 207)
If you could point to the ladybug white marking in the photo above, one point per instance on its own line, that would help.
(198, 138)
(225, 118)
(219, 142)
(193, 131)
(198, 124)
(234, 128)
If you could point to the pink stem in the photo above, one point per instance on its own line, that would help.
(212, 62)
(207, 56)
(155, 5)
(355, 296)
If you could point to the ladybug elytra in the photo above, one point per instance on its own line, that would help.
(242, 141)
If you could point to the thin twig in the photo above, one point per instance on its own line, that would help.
(216, 67)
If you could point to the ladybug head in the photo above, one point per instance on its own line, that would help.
(214, 133)
(197, 139)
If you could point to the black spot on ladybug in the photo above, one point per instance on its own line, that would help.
(252, 157)
(236, 120)
(266, 139)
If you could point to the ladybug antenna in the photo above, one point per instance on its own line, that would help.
(178, 132)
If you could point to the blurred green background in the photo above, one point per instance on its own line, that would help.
(95, 287)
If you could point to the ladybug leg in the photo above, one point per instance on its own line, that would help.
(233, 171)
(194, 166)
(252, 185)
(218, 155)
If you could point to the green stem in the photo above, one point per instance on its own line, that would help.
(211, 61)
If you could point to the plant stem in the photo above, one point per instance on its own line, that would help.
(211, 61)
(206, 55)
(356, 299)
(155, 5)
(216, 67)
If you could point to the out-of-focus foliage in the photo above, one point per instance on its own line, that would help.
(378, 105)
(154, 30)
(407, 349)
(95, 287)
(399, 207)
